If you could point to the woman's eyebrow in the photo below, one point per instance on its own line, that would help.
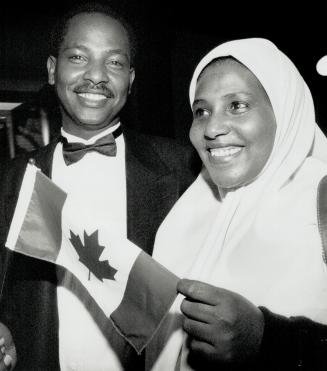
(197, 101)
(237, 93)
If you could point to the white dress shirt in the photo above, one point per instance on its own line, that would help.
(97, 183)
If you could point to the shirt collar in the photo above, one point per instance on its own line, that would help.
(74, 138)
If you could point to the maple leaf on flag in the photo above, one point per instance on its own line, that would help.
(89, 255)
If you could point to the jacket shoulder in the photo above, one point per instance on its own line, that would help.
(180, 157)
(174, 152)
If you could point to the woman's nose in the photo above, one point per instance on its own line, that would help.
(216, 125)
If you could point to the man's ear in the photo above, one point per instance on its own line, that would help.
(51, 66)
(131, 79)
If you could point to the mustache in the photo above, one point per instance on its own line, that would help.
(100, 88)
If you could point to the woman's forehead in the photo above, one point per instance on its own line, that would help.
(230, 73)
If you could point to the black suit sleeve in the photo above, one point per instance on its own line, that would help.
(295, 343)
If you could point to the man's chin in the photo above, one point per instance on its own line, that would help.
(95, 124)
(87, 128)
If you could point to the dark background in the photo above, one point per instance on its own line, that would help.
(173, 36)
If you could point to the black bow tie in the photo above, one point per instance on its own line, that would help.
(106, 145)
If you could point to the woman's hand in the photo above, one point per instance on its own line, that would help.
(223, 326)
(8, 357)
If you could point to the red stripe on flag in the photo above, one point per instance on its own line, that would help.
(150, 292)
(40, 235)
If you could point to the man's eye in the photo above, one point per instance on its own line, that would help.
(200, 112)
(116, 63)
(238, 107)
(76, 58)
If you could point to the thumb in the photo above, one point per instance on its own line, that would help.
(10, 358)
(7, 347)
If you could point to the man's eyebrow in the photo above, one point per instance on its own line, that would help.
(84, 47)
(117, 51)
(109, 52)
(74, 46)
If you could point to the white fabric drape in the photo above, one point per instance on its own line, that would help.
(261, 240)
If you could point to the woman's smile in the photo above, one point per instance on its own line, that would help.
(233, 125)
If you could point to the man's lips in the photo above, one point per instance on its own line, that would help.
(94, 93)
(93, 100)
(93, 97)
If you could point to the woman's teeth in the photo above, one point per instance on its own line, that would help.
(222, 152)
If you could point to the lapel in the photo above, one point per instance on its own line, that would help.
(152, 189)
(43, 159)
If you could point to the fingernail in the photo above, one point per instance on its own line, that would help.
(7, 360)
(2, 341)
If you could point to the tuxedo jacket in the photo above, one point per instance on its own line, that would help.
(158, 170)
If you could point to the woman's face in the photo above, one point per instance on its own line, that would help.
(234, 125)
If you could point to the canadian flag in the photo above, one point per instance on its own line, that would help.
(133, 290)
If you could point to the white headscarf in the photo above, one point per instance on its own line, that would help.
(262, 240)
(288, 93)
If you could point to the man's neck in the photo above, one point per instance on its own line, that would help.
(87, 131)
(77, 138)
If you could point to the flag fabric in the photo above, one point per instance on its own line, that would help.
(133, 290)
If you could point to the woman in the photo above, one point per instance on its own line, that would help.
(247, 227)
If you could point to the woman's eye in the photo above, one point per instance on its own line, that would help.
(200, 112)
(238, 107)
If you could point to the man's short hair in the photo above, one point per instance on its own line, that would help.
(60, 28)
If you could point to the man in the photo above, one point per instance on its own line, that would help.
(91, 67)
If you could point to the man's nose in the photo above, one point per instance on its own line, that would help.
(96, 73)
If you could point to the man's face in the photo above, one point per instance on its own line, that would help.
(92, 74)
